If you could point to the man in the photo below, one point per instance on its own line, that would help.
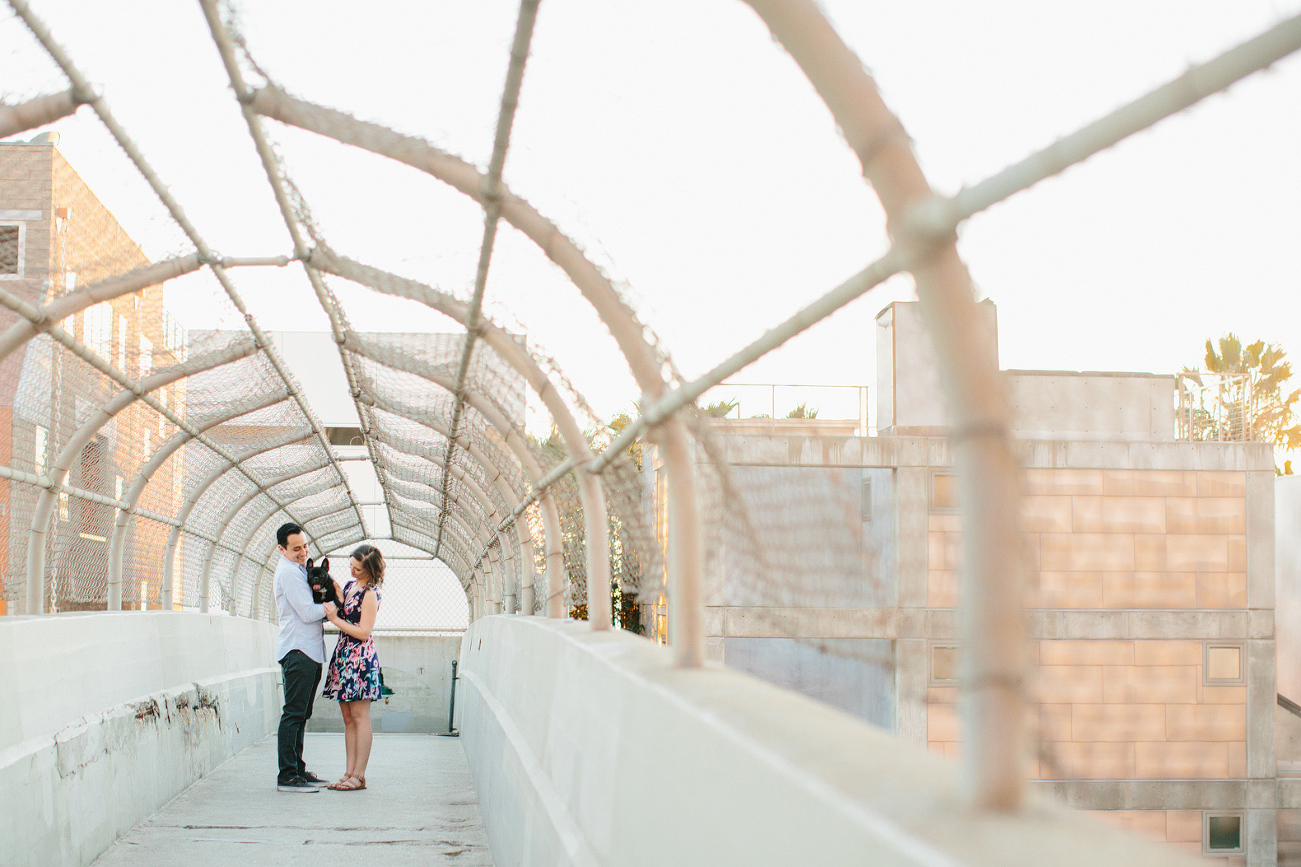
(301, 651)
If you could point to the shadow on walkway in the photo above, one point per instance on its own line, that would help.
(419, 807)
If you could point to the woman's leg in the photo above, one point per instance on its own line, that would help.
(365, 736)
(349, 735)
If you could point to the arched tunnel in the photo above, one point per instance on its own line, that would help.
(149, 464)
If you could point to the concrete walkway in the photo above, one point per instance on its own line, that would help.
(419, 807)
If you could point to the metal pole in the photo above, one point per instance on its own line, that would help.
(451, 701)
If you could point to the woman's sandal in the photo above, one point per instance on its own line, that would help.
(351, 784)
(337, 785)
(361, 782)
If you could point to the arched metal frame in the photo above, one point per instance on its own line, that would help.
(82, 92)
(507, 491)
(160, 457)
(242, 544)
(108, 289)
(498, 418)
(510, 351)
(685, 555)
(225, 520)
(169, 557)
(59, 469)
(923, 228)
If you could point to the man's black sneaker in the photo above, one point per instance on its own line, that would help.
(297, 784)
(311, 778)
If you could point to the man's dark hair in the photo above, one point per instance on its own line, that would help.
(285, 531)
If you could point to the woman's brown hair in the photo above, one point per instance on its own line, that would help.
(372, 561)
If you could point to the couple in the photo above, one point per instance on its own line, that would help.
(353, 678)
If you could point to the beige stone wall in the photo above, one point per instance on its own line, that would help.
(1121, 539)
(1179, 828)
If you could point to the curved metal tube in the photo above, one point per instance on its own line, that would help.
(63, 462)
(497, 417)
(229, 515)
(992, 629)
(37, 112)
(169, 556)
(93, 293)
(596, 522)
(501, 483)
(132, 495)
(685, 566)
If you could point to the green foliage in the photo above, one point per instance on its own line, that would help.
(722, 408)
(803, 411)
(625, 566)
(1268, 414)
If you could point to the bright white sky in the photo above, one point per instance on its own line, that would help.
(681, 147)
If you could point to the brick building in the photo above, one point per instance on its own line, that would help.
(56, 236)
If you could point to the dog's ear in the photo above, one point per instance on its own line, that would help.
(325, 564)
(309, 562)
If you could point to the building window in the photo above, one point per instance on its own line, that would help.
(174, 337)
(121, 343)
(99, 329)
(13, 238)
(146, 356)
(41, 456)
(944, 665)
(1222, 663)
(867, 499)
(1222, 834)
(944, 492)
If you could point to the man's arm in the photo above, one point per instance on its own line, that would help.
(299, 596)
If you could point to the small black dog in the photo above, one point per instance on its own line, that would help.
(322, 584)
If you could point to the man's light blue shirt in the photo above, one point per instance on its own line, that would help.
(302, 624)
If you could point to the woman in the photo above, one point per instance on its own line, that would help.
(353, 678)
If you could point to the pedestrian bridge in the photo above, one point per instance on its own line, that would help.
(145, 466)
(576, 747)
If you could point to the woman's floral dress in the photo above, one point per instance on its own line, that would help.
(354, 668)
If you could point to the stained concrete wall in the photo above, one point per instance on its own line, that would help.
(1065, 405)
(590, 748)
(1287, 584)
(418, 668)
(107, 716)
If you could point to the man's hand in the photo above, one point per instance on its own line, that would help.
(330, 609)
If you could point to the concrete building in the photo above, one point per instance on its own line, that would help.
(56, 236)
(1150, 607)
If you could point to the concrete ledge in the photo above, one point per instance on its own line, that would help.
(942, 623)
(94, 763)
(590, 748)
(749, 447)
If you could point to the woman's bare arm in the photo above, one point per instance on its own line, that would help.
(360, 631)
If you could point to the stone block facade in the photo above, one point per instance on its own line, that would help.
(1149, 610)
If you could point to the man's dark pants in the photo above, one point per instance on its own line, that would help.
(301, 676)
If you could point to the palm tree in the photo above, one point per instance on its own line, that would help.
(1251, 390)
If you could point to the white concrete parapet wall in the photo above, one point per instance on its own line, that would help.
(108, 716)
(590, 748)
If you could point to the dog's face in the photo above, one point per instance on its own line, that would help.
(318, 576)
